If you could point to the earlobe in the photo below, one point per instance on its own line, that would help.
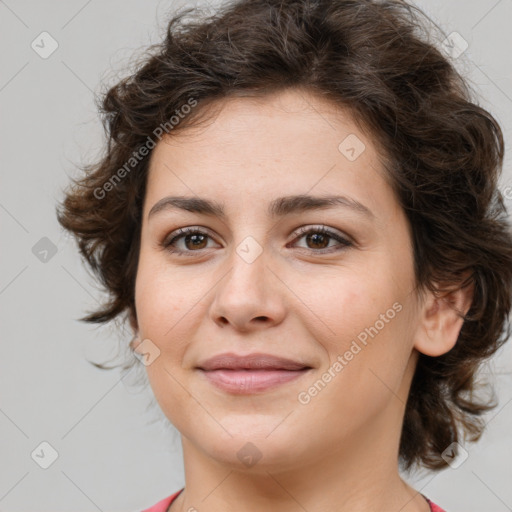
(441, 320)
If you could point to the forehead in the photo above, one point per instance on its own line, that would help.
(270, 126)
(286, 143)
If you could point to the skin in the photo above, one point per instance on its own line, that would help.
(339, 451)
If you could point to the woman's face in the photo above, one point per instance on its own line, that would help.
(263, 279)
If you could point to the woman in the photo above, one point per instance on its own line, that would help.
(298, 213)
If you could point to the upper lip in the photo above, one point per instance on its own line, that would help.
(259, 361)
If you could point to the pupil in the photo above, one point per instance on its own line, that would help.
(195, 239)
(315, 237)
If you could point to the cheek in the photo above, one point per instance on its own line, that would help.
(341, 304)
(365, 320)
(164, 307)
(161, 297)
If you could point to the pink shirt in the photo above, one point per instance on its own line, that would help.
(164, 504)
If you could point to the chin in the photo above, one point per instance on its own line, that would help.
(251, 448)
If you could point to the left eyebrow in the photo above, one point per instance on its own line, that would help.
(279, 207)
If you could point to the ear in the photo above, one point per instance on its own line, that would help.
(441, 319)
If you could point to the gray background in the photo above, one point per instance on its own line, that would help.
(112, 454)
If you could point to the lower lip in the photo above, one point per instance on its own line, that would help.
(245, 382)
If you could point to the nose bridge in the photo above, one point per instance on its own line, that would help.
(248, 262)
(248, 255)
(244, 293)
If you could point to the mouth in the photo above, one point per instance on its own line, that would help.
(253, 373)
(245, 382)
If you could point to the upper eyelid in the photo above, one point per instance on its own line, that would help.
(189, 230)
(299, 230)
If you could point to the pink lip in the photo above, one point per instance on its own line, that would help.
(251, 373)
(256, 361)
(245, 382)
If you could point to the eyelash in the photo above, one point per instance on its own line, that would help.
(182, 232)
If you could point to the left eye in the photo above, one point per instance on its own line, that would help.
(195, 240)
(320, 237)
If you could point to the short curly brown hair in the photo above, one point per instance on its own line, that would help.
(443, 155)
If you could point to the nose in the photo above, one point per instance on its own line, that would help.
(249, 296)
